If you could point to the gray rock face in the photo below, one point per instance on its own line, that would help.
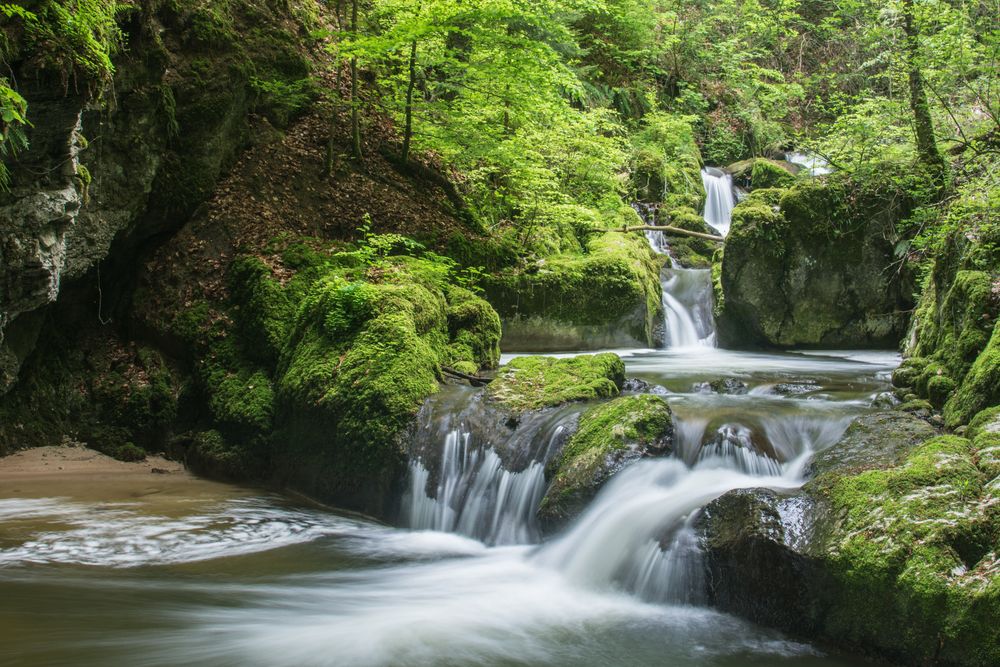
(807, 266)
(103, 176)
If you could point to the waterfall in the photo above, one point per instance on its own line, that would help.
(719, 199)
(476, 496)
(686, 294)
(639, 533)
(810, 163)
(467, 477)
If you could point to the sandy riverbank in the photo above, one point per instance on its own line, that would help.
(78, 472)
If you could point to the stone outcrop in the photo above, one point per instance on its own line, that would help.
(890, 549)
(813, 265)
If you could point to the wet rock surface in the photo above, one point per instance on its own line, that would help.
(886, 549)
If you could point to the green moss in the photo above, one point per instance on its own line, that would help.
(611, 426)
(908, 371)
(609, 435)
(980, 388)
(240, 395)
(614, 286)
(691, 252)
(910, 552)
(939, 390)
(474, 330)
(210, 453)
(770, 174)
(532, 383)
(261, 309)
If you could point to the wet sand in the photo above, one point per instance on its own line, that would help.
(84, 474)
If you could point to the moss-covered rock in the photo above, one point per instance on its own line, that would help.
(894, 555)
(608, 296)
(610, 436)
(980, 388)
(806, 266)
(532, 383)
(688, 251)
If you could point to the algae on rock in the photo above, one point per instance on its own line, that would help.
(533, 383)
(610, 436)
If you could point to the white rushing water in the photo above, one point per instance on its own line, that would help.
(686, 294)
(812, 164)
(720, 199)
(475, 495)
(258, 581)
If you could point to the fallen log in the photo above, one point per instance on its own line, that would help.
(474, 380)
(671, 230)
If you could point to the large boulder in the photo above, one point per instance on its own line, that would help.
(811, 266)
(607, 296)
(610, 436)
(889, 549)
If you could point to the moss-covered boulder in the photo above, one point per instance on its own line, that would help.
(808, 266)
(608, 296)
(689, 252)
(980, 387)
(533, 383)
(610, 436)
(890, 548)
(761, 173)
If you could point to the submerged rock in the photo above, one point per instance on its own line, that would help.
(722, 386)
(890, 548)
(610, 436)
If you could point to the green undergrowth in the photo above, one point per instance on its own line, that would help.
(323, 355)
(533, 383)
(916, 554)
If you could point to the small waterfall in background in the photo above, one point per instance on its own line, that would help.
(812, 164)
(687, 293)
(719, 199)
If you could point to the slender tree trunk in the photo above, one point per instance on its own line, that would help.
(331, 143)
(355, 120)
(927, 146)
(408, 130)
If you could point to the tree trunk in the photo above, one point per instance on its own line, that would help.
(927, 147)
(331, 143)
(408, 129)
(355, 120)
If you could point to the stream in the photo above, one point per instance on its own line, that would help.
(212, 574)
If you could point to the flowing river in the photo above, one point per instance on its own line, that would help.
(210, 574)
(216, 575)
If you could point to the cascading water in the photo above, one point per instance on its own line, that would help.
(812, 164)
(686, 294)
(257, 581)
(476, 496)
(479, 492)
(719, 199)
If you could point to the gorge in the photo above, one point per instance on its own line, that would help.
(539, 333)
